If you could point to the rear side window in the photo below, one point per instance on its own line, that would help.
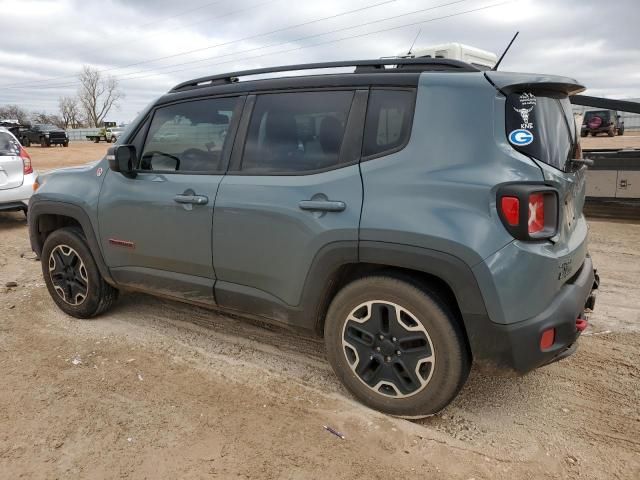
(189, 136)
(296, 132)
(388, 123)
(8, 145)
(539, 126)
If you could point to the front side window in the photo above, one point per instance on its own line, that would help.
(388, 124)
(189, 136)
(296, 132)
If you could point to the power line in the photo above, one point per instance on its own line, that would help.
(350, 37)
(125, 76)
(181, 27)
(188, 52)
(386, 19)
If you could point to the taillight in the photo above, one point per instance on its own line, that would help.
(536, 213)
(511, 210)
(27, 168)
(528, 211)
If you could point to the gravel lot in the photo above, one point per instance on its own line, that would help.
(156, 388)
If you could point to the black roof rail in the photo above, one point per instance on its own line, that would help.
(408, 65)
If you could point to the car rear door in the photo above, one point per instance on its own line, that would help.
(11, 166)
(293, 191)
(156, 225)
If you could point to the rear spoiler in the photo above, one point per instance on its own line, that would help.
(507, 82)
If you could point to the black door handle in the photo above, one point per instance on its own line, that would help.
(191, 199)
(322, 205)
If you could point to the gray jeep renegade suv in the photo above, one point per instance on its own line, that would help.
(420, 215)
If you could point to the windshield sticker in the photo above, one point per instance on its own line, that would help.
(521, 137)
(527, 103)
(528, 99)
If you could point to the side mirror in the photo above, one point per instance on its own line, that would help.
(122, 159)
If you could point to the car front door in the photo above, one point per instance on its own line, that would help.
(292, 194)
(156, 225)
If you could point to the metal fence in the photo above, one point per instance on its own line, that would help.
(76, 134)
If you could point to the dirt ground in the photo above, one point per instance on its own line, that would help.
(157, 389)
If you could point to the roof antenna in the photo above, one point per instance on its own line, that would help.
(414, 42)
(495, 67)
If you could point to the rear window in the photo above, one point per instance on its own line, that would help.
(597, 118)
(8, 145)
(541, 126)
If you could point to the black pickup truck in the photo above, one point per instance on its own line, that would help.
(44, 134)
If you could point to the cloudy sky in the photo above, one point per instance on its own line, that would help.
(150, 45)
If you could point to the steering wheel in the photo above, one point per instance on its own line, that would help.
(146, 159)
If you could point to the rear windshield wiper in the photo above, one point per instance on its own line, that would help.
(580, 161)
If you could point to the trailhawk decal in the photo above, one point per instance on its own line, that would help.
(521, 137)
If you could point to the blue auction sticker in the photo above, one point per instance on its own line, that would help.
(521, 137)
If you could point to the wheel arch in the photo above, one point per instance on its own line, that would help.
(445, 274)
(47, 216)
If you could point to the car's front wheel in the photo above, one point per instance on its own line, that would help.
(396, 346)
(72, 276)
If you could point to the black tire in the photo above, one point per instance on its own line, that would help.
(44, 143)
(584, 134)
(26, 142)
(593, 134)
(621, 131)
(99, 297)
(442, 337)
(96, 140)
(65, 144)
(114, 139)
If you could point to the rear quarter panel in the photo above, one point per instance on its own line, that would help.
(439, 191)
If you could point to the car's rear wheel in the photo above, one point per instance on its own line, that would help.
(621, 131)
(26, 142)
(72, 276)
(65, 144)
(396, 346)
(114, 139)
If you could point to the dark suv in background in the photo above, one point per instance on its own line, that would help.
(420, 218)
(45, 135)
(602, 121)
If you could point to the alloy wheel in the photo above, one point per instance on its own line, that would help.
(68, 275)
(388, 349)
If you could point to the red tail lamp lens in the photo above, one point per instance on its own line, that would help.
(27, 168)
(511, 210)
(547, 339)
(536, 212)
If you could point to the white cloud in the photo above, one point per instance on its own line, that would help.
(45, 42)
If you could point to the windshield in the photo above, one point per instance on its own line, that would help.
(542, 126)
(47, 126)
(8, 145)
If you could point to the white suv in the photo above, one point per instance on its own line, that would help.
(17, 177)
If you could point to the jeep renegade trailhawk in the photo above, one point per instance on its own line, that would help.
(419, 214)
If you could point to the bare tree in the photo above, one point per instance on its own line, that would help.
(14, 112)
(98, 94)
(44, 117)
(69, 111)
